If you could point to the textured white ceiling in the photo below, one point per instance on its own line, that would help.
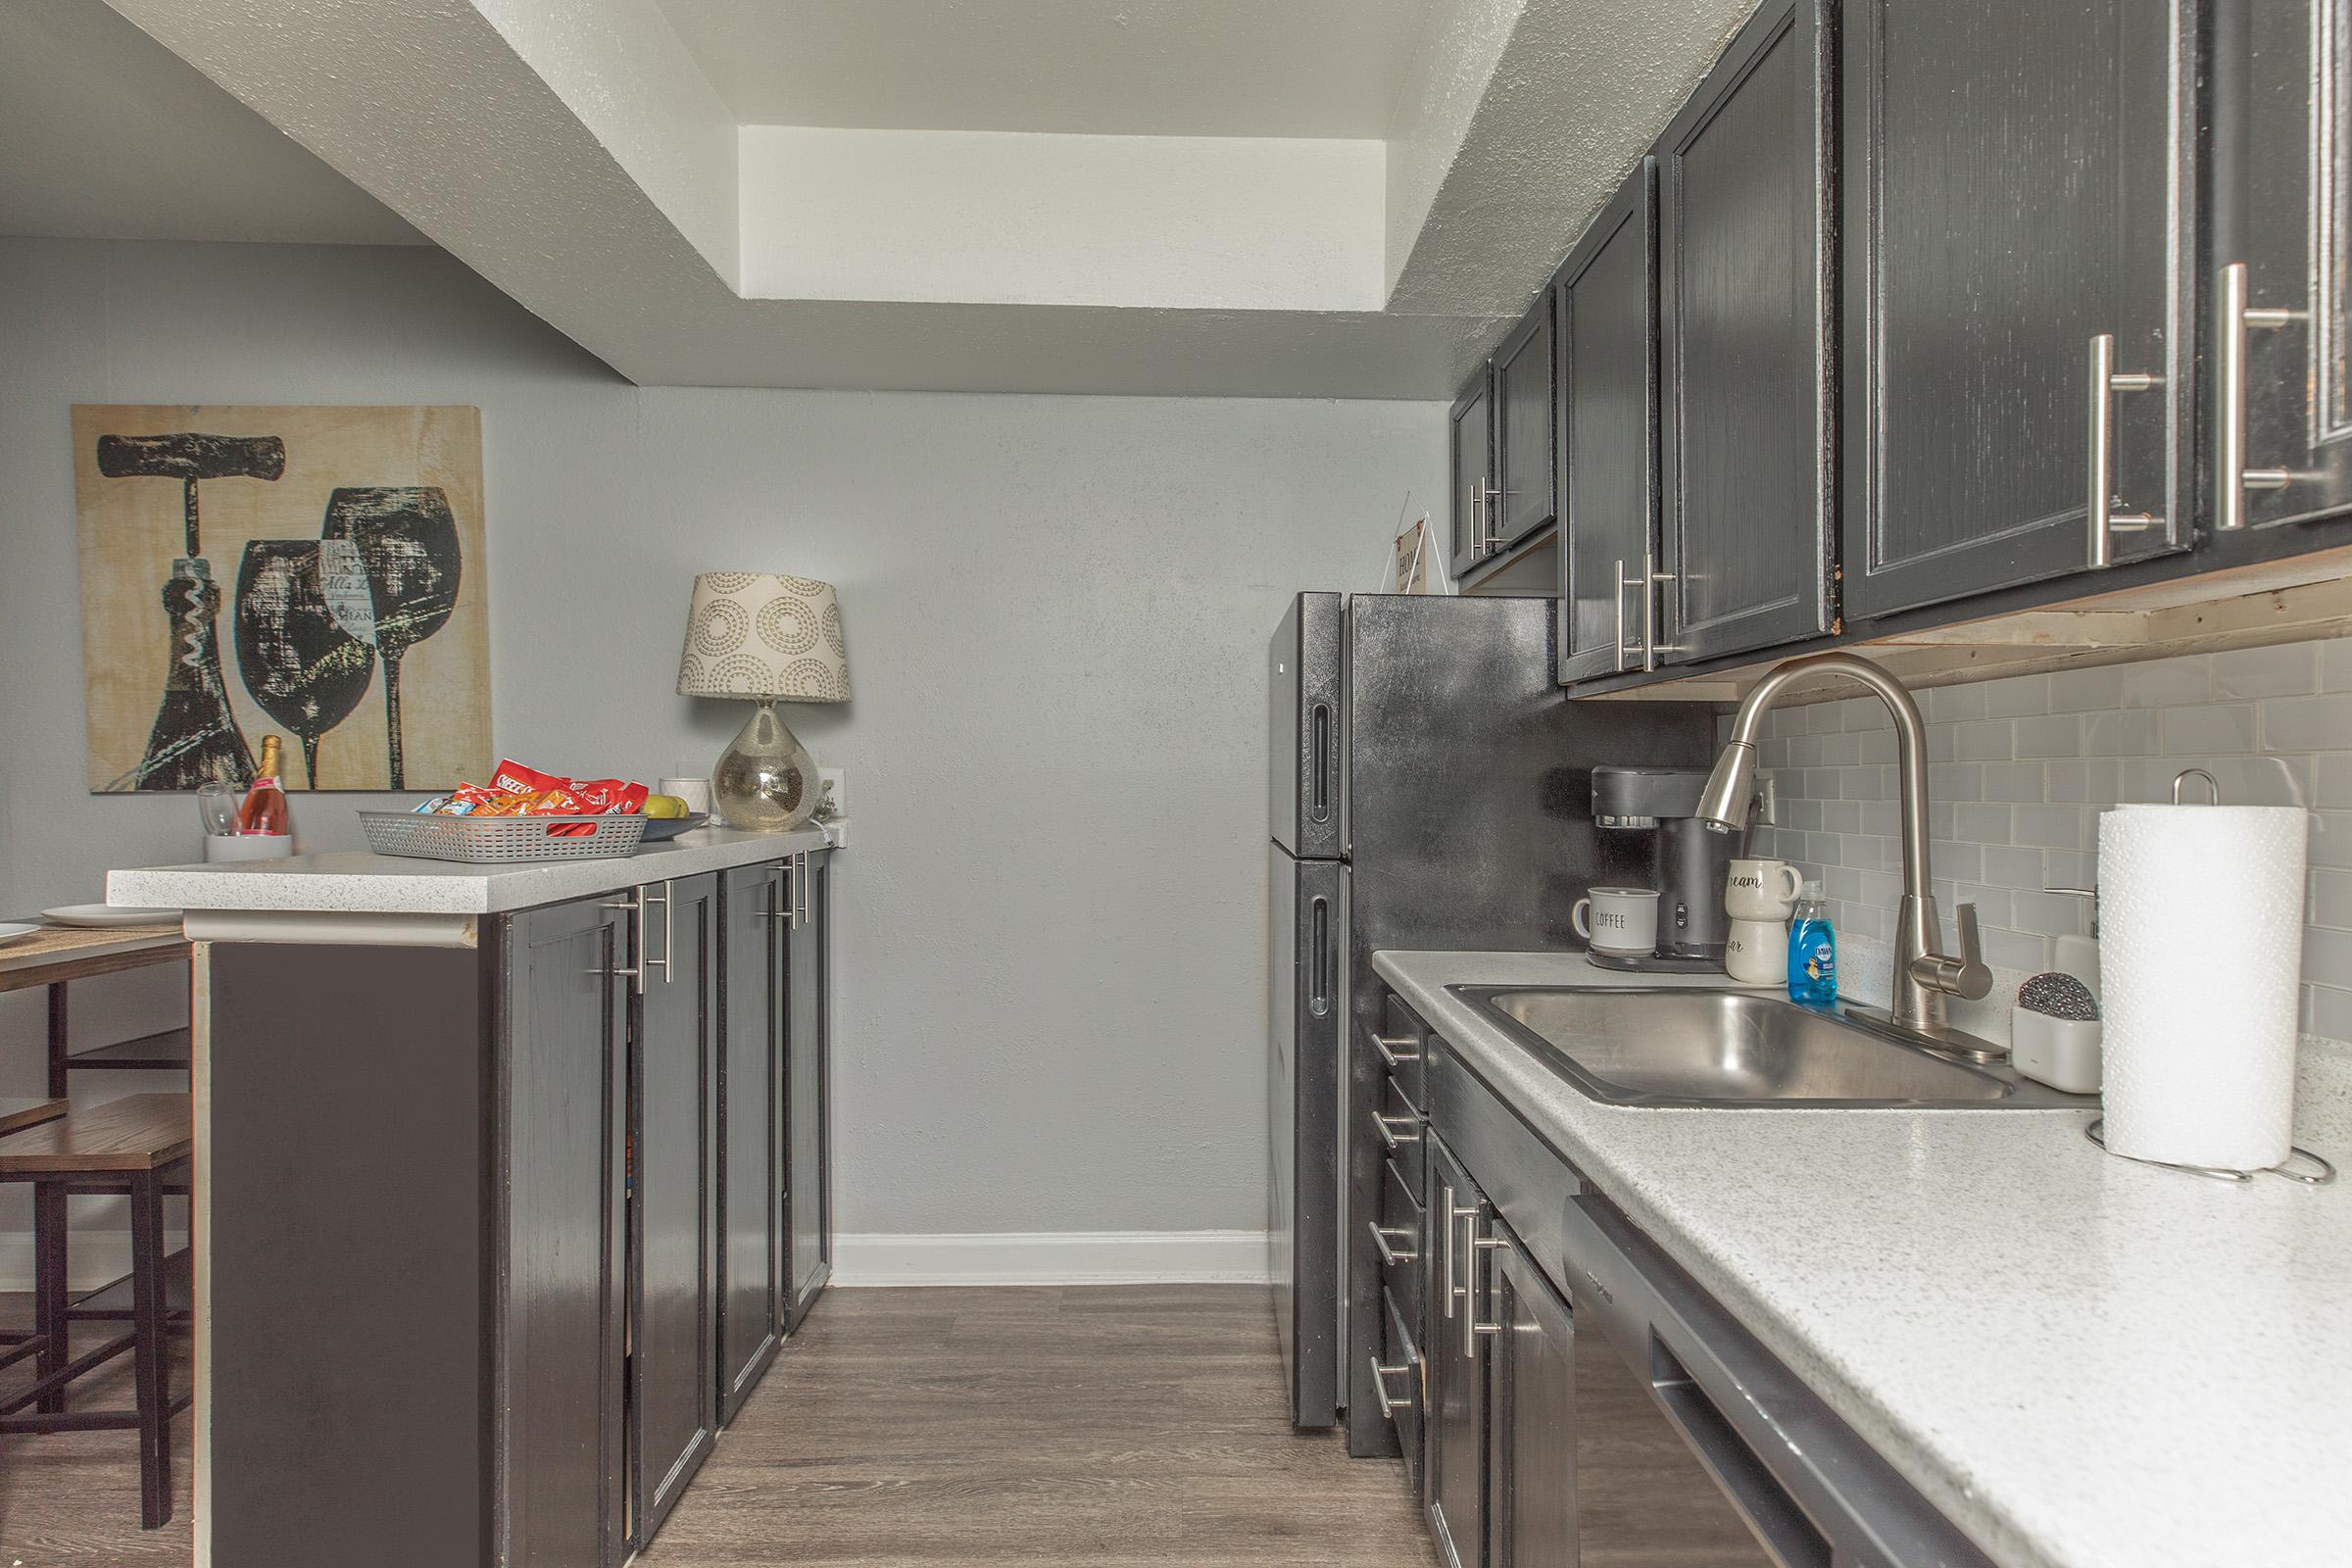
(107, 134)
(1156, 67)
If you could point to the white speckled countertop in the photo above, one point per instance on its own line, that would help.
(2083, 1362)
(355, 882)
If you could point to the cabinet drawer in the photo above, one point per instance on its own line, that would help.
(1396, 1122)
(1404, 1384)
(1402, 1241)
(1402, 1046)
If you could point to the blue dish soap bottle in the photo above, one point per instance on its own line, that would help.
(1812, 951)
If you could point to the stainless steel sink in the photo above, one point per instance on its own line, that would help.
(1691, 1046)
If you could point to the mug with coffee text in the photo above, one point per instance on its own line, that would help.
(1623, 920)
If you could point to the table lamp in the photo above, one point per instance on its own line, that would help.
(765, 639)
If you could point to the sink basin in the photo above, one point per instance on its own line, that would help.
(1691, 1047)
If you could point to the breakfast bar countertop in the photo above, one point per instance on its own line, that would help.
(358, 882)
(2084, 1362)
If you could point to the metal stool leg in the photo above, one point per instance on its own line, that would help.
(49, 1270)
(149, 1309)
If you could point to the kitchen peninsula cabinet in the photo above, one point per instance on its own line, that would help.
(1747, 343)
(2019, 212)
(501, 1173)
(672, 1148)
(807, 1193)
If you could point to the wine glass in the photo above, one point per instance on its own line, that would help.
(298, 655)
(407, 543)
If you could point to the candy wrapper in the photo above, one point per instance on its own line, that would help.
(597, 796)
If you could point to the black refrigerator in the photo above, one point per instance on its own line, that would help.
(1430, 788)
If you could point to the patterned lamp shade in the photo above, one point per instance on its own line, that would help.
(754, 635)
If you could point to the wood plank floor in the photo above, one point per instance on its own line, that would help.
(1136, 1426)
(1127, 1426)
(71, 1499)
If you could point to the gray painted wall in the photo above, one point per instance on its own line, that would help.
(1050, 918)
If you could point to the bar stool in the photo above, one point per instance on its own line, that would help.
(139, 1146)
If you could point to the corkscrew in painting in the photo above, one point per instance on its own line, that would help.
(317, 572)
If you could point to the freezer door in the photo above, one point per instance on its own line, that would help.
(1305, 942)
(1302, 724)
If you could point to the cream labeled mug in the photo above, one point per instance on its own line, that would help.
(1761, 890)
(1623, 920)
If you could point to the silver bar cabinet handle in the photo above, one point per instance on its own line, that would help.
(1446, 1213)
(1621, 615)
(1651, 577)
(669, 934)
(1380, 1386)
(1489, 540)
(1474, 1244)
(2232, 317)
(635, 904)
(1393, 1049)
(1390, 1255)
(1389, 1136)
(2105, 521)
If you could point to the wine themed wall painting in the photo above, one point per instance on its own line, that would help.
(313, 573)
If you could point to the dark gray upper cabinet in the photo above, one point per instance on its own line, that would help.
(565, 1050)
(1608, 324)
(1523, 430)
(2014, 198)
(1472, 469)
(808, 1085)
(674, 1356)
(1744, 199)
(751, 1100)
(2281, 411)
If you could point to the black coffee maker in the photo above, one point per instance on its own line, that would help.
(1688, 863)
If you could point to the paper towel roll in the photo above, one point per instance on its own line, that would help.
(2200, 963)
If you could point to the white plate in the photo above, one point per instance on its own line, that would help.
(107, 914)
(10, 930)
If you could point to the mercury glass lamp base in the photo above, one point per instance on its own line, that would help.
(765, 780)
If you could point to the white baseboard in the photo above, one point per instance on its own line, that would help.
(96, 1258)
(1053, 1257)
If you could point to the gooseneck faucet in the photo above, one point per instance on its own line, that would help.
(1922, 976)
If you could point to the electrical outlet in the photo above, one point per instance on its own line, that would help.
(832, 792)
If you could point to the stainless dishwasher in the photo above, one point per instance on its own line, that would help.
(1695, 1448)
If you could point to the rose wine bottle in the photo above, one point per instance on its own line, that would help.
(265, 808)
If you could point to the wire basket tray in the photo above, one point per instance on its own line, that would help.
(492, 840)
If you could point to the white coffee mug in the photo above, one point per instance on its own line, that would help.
(1623, 920)
(1757, 951)
(695, 792)
(1761, 890)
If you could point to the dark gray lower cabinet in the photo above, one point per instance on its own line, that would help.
(752, 910)
(1454, 1425)
(2010, 202)
(1531, 1447)
(563, 1298)
(1746, 358)
(674, 1326)
(807, 1088)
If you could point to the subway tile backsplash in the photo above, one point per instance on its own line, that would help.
(2020, 769)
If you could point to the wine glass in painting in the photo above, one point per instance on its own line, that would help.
(303, 660)
(407, 538)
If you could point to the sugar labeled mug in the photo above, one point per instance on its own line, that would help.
(1761, 890)
(1623, 921)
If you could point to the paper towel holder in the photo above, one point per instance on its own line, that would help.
(2319, 1173)
(2212, 788)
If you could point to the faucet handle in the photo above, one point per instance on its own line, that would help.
(1966, 976)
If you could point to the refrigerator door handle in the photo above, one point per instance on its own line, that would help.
(1318, 962)
(1319, 785)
